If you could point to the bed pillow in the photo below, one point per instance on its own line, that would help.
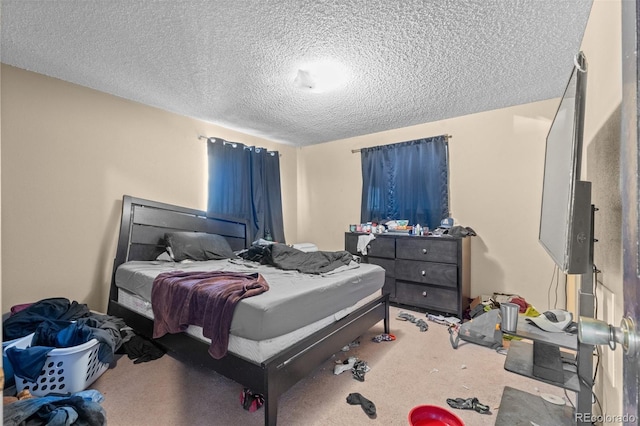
(198, 246)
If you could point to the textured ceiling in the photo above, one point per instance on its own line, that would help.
(235, 62)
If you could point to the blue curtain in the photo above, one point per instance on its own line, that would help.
(244, 182)
(407, 180)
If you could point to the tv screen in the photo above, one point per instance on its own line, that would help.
(565, 219)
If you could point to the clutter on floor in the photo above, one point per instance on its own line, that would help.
(468, 404)
(81, 408)
(384, 337)
(251, 401)
(353, 344)
(433, 415)
(485, 303)
(367, 406)
(420, 323)
(360, 368)
(345, 366)
(439, 319)
(426, 359)
(54, 349)
(357, 367)
(140, 349)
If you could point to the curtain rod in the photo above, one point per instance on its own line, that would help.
(447, 137)
(234, 144)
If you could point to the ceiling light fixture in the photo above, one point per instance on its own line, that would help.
(304, 80)
(320, 77)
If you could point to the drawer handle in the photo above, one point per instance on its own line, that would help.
(424, 251)
(424, 294)
(423, 273)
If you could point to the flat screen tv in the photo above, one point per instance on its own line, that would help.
(565, 219)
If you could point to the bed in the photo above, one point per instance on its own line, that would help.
(268, 359)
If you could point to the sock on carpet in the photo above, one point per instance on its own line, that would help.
(368, 406)
(384, 337)
(468, 404)
(422, 324)
(404, 316)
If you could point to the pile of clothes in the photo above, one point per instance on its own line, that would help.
(80, 408)
(60, 323)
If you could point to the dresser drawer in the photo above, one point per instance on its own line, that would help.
(389, 265)
(382, 247)
(445, 274)
(424, 296)
(440, 249)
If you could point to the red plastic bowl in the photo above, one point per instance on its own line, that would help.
(433, 415)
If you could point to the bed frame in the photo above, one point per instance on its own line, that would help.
(141, 237)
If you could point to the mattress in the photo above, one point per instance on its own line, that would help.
(253, 350)
(294, 299)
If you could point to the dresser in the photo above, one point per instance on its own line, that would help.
(427, 273)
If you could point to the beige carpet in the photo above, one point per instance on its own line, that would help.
(417, 368)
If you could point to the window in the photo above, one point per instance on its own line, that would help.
(244, 183)
(407, 180)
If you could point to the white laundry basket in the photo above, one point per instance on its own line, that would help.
(66, 370)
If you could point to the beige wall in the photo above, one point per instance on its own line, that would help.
(69, 154)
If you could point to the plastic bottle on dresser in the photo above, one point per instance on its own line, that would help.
(417, 230)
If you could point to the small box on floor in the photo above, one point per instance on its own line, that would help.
(478, 300)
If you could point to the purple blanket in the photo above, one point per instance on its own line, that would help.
(205, 299)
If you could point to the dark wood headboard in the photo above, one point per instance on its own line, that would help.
(144, 224)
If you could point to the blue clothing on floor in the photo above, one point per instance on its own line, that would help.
(28, 363)
(80, 408)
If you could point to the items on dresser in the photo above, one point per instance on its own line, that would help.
(427, 273)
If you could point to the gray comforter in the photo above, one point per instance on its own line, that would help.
(288, 258)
